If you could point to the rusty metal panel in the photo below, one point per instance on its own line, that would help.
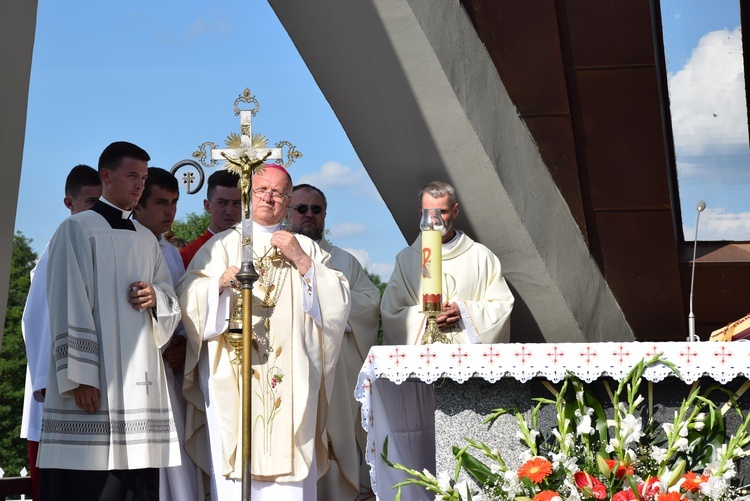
(524, 44)
(608, 33)
(621, 137)
(640, 265)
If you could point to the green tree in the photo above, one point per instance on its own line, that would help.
(13, 449)
(375, 279)
(193, 226)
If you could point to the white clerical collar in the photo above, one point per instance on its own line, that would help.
(125, 213)
(266, 229)
(453, 242)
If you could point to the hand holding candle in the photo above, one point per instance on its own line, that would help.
(431, 225)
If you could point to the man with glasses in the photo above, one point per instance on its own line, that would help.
(300, 308)
(223, 203)
(349, 474)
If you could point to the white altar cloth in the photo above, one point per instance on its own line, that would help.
(589, 361)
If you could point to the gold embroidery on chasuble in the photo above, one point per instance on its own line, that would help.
(272, 445)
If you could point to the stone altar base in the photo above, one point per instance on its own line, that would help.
(461, 408)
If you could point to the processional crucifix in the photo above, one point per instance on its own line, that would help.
(245, 155)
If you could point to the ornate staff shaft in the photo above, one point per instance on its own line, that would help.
(247, 277)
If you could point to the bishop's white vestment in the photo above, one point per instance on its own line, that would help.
(296, 346)
(345, 431)
(472, 278)
(101, 341)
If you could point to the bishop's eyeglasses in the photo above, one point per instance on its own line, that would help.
(303, 208)
(261, 193)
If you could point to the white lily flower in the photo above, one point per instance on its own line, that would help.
(462, 488)
(658, 454)
(714, 488)
(584, 426)
(630, 428)
(683, 430)
(682, 444)
(444, 481)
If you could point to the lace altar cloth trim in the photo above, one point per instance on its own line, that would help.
(589, 361)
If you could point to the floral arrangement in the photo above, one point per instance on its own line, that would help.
(591, 456)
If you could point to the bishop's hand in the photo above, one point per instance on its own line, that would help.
(289, 247)
(228, 279)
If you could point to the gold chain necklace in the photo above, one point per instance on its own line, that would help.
(273, 272)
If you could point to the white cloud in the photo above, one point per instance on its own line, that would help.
(334, 174)
(362, 256)
(718, 224)
(707, 97)
(383, 270)
(344, 230)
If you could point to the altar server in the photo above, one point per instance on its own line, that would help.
(82, 189)
(156, 211)
(108, 425)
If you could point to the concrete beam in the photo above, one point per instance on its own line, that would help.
(420, 99)
(17, 31)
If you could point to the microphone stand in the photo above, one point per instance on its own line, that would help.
(691, 317)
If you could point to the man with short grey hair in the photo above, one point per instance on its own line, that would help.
(477, 300)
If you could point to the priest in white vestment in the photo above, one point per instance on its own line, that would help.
(349, 477)
(156, 211)
(108, 423)
(476, 297)
(477, 304)
(300, 308)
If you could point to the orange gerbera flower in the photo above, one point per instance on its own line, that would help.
(692, 481)
(669, 496)
(546, 496)
(622, 470)
(535, 469)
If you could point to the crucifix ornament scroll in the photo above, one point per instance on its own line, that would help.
(245, 154)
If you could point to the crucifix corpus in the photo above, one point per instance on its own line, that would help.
(245, 155)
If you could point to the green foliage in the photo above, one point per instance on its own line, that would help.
(13, 449)
(375, 279)
(192, 226)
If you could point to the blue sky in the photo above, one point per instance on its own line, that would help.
(164, 75)
(709, 115)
